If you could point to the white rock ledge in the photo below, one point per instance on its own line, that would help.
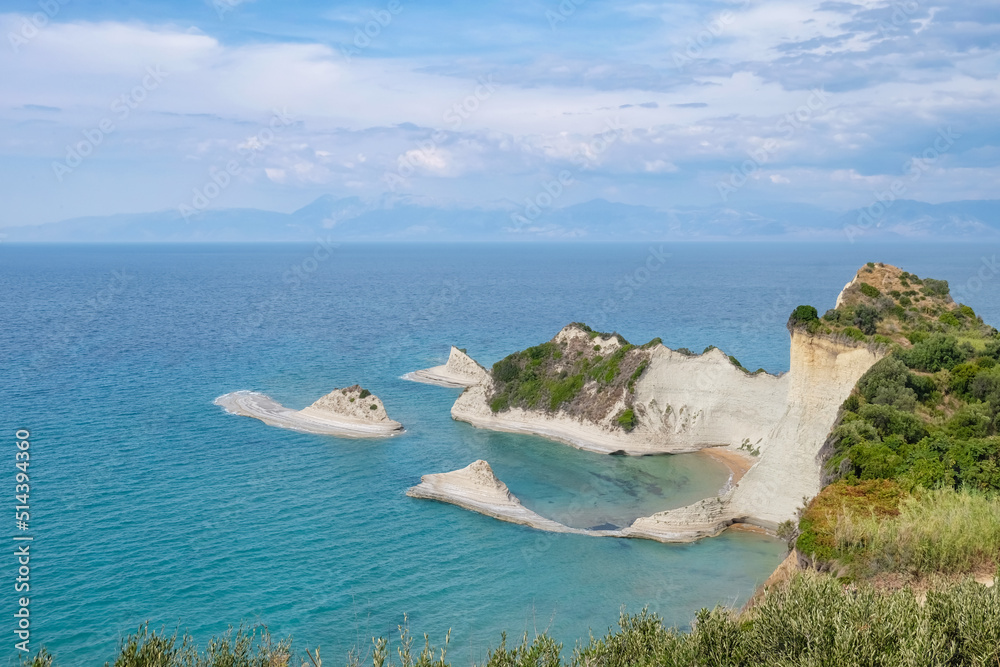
(334, 414)
(461, 370)
(476, 488)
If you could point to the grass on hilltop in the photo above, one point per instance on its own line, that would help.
(876, 526)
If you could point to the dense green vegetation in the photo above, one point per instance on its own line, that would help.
(926, 416)
(552, 376)
(813, 620)
(917, 444)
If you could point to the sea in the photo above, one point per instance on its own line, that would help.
(150, 504)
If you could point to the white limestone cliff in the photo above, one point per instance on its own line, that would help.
(685, 403)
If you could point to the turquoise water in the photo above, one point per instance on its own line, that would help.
(150, 503)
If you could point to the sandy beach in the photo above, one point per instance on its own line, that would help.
(737, 462)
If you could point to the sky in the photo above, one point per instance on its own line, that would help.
(124, 106)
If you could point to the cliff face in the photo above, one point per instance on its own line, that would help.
(462, 365)
(686, 403)
(822, 374)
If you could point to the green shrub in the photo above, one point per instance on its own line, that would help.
(934, 353)
(887, 421)
(866, 318)
(640, 369)
(373, 407)
(870, 291)
(950, 319)
(543, 651)
(563, 391)
(627, 419)
(817, 526)
(855, 334)
(922, 385)
(961, 378)
(888, 372)
(935, 287)
(803, 315)
(238, 647)
(364, 393)
(506, 370)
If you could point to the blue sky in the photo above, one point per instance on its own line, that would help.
(113, 107)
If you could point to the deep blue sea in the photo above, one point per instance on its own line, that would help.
(148, 502)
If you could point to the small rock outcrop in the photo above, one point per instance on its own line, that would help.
(352, 403)
(461, 370)
(351, 412)
(476, 488)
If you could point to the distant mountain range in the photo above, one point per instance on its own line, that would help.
(407, 219)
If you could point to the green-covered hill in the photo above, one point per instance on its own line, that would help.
(925, 418)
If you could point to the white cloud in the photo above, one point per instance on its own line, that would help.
(276, 175)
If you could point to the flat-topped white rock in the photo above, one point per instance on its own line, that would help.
(351, 412)
(461, 370)
(476, 488)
